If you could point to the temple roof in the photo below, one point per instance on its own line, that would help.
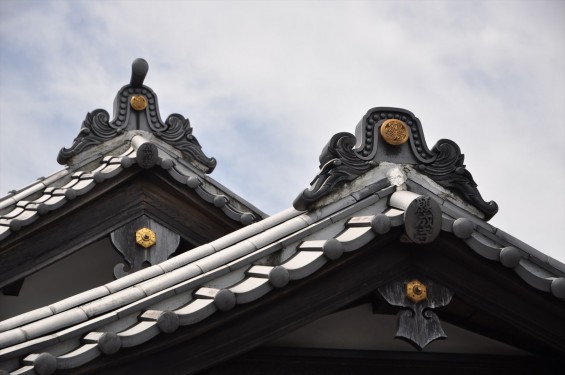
(250, 263)
(381, 195)
(103, 149)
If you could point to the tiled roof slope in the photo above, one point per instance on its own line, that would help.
(22, 208)
(104, 148)
(247, 264)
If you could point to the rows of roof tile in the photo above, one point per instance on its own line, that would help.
(233, 270)
(23, 208)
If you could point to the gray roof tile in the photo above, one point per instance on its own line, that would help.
(140, 304)
(26, 217)
(251, 289)
(325, 232)
(12, 337)
(534, 275)
(139, 333)
(81, 355)
(43, 364)
(222, 257)
(355, 237)
(25, 370)
(54, 322)
(255, 256)
(484, 247)
(25, 318)
(187, 257)
(24, 194)
(170, 278)
(28, 346)
(134, 278)
(107, 342)
(7, 202)
(195, 311)
(112, 301)
(304, 263)
(87, 326)
(79, 299)
(54, 202)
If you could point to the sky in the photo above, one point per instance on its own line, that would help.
(266, 84)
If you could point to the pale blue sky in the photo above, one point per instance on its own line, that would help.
(266, 85)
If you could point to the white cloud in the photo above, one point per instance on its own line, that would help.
(266, 84)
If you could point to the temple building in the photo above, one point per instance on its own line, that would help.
(133, 260)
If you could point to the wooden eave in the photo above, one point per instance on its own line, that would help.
(489, 300)
(132, 193)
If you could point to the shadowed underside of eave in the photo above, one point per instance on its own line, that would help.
(499, 312)
(108, 206)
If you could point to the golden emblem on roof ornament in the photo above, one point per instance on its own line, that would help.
(394, 132)
(416, 291)
(145, 237)
(138, 102)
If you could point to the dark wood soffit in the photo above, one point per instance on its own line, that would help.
(305, 361)
(108, 206)
(509, 309)
(339, 283)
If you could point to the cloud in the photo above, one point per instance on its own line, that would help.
(266, 84)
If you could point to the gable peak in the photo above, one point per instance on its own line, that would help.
(136, 109)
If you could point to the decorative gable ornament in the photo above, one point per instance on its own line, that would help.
(417, 323)
(392, 135)
(136, 108)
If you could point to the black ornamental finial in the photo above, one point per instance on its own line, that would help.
(139, 69)
(393, 135)
(136, 108)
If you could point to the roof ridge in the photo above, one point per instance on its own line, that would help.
(143, 152)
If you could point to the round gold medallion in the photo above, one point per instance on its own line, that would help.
(138, 102)
(416, 291)
(394, 132)
(145, 237)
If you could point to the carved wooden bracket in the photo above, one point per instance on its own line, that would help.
(140, 252)
(417, 323)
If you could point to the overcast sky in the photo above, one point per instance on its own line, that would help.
(266, 84)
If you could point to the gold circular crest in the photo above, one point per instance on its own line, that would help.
(416, 291)
(145, 237)
(138, 102)
(394, 132)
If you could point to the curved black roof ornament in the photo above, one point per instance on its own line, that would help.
(395, 135)
(139, 69)
(136, 108)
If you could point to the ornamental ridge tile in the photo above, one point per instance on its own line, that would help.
(347, 157)
(104, 147)
(136, 108)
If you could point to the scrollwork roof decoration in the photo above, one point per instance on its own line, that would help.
(97, 127)
(449, 171)
(338, 163)
(346, 157)
(179, 134)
